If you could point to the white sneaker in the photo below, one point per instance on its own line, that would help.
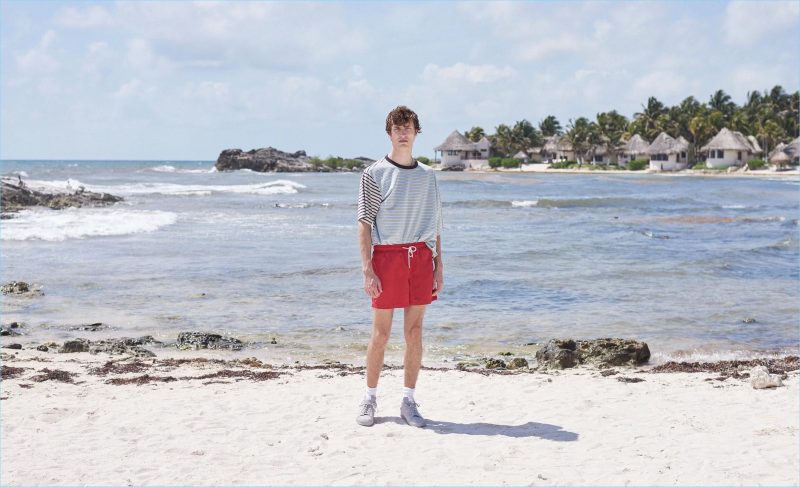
(366, 412)
(410, 413)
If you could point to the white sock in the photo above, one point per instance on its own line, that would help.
(372, 393)
(409, 393)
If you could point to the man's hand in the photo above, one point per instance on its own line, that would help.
(372, 285)
(438, 280)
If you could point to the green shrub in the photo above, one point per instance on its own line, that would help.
(756, 164)
(699, 165)
(638, 164)
(495, 162)
(424, 160)
(510, 163)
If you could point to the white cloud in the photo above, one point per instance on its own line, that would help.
(39, 60)
(141, 57)
(667, 85)
(97, 59)
(133, 90)
(746, 21)
(92, 16)
(460, 72)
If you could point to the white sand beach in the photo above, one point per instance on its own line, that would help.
(543, 168)
(556, 428)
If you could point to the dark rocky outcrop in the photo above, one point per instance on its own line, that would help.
(16, 196)
(112, 346)
(20, 287)
(602, 352)
(263, 160)
(270, 159)
(193, 340)
(13, 329)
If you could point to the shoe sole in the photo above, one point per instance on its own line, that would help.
(414, 425)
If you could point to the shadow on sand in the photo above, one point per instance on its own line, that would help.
(529, 429)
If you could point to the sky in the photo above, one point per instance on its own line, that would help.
(180, 80)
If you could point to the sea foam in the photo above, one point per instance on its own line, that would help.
(70, 223)
(280, 186)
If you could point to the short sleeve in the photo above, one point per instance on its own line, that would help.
(369, 199)
(439, 223)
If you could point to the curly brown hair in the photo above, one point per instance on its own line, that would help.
(402, 115)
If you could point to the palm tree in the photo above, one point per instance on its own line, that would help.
(502, 140)
(524, 136)
(550, 126)
(475, 134)
(578, 134)
(647, 119)
(721, 102)
(611, 126)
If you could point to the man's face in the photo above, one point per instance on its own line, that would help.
(403, 136)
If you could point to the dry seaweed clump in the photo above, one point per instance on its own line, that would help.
(58, 375)
(11, 372)
(119, 367)
(733, 368)
(220, 374)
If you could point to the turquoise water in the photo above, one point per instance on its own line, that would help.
(684, 263)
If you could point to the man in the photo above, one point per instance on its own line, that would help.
(399, 226)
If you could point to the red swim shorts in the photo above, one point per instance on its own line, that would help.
(406, 274)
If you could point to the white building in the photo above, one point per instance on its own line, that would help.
(634, 148)
(458, 151)
(668, 154)
(730, 148)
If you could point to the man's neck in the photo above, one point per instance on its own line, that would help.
(401, 157)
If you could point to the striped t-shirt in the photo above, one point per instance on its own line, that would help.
(400, 203)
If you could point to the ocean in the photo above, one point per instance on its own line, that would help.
(699, 267)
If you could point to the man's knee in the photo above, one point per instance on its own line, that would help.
(413, 332)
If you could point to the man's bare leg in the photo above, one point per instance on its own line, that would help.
(412, 329)
(381, 330)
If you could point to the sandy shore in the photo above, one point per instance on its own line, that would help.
(542, 168)
(205, 422)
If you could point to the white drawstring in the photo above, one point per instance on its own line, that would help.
(411, 251)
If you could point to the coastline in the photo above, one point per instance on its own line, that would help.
(704, 172)
(295, 424)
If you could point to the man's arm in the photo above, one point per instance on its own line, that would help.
(438, 271)
(372, 285)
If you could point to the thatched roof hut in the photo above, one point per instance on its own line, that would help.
(455, 141)
(551, 143)
(664, 144)
(635, 145)
(779, 156)
(730, 140)
(521, 155)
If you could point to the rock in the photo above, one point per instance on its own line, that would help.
(760, 378)
(558, 354)
(454, 167)
(16, 196)
(124, 345)
(14, 346)
(263, 160)
(42, 348)
(75, 346)
(505, 354)
(467, 365)
(91, 327)
(113, 346)
(602, 352)
(494, 363)
(193, 340)
(606, 352)
(10, 330)
(16, 287)
(517, 363)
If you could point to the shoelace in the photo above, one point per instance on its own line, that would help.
(414, 410)
(411, 251)
(365, 407)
